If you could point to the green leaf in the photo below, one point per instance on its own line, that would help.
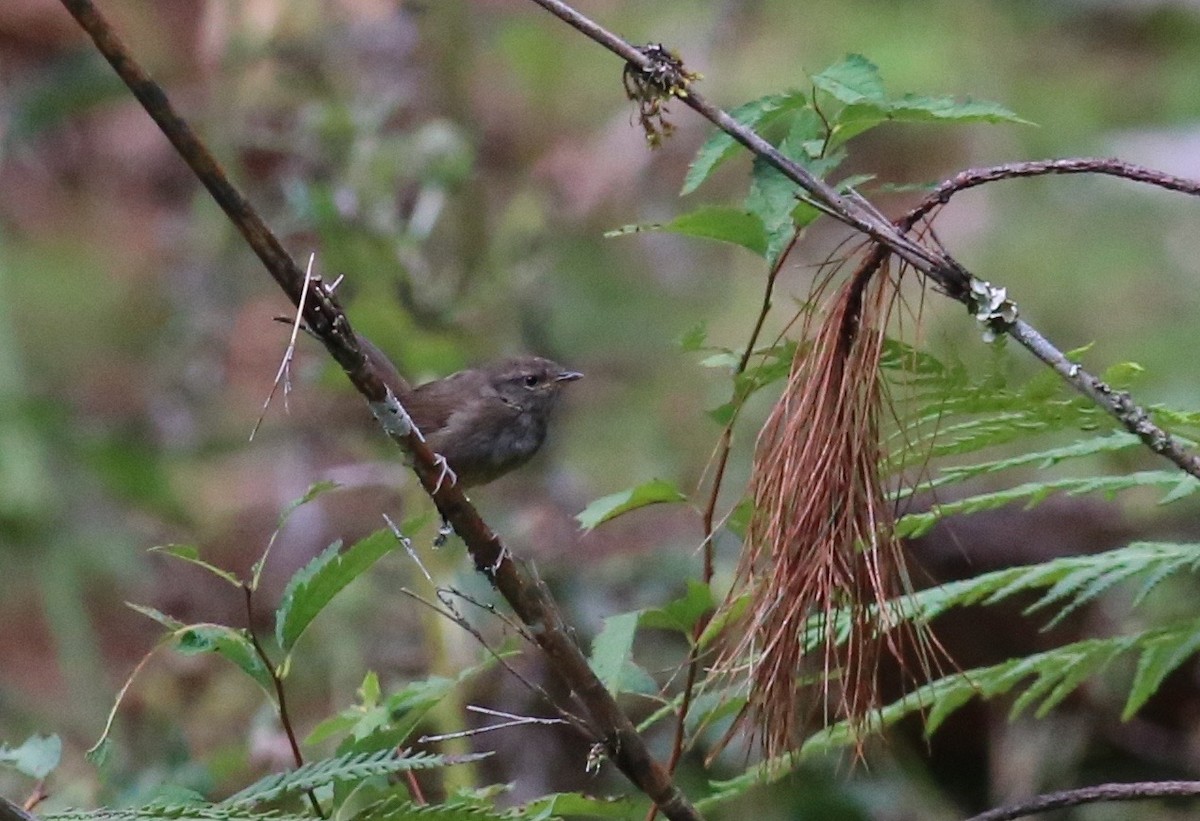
(853, 80)
(36, 757)
(559, 805)
(723, 224)
(315, 584)
(654, 492)
(232, 645)
(1160, 657)
(694, 338)
(772, 199)
(191, 555)
(681, 614)
(162, 618)
(612, 649)
(914, 108)
(720, 146)
(715, 222)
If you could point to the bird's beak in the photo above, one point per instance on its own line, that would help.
(568, 376)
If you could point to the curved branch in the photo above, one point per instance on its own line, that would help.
(1138, 791)
(525, 593)
(1108, 166)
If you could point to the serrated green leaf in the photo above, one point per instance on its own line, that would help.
(772, 199)
(720, 146)
(654, 492)
(315, 585)
(918, 108)
(191, 555)
(612, 649)
(1122, 374)
(36, 756)
(854, 79)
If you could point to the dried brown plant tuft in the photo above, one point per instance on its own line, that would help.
(821, 563)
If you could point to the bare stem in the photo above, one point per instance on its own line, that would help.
(281, 699)
(1137, 791)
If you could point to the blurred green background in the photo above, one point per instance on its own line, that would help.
(460, 162)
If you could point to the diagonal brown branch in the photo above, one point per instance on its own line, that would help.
(528, 597)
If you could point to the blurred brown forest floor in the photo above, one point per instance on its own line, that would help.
(460, 161)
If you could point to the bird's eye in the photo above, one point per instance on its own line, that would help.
(531, 380)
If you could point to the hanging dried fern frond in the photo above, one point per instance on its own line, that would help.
(821, 563)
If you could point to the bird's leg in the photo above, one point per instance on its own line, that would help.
(446, 472)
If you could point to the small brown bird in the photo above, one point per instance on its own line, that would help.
(485, 421)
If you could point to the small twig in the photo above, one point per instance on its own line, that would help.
(414, 787)
(1109, 166)
(1136, 791)
(36, 796)
(512, 721)
(457, 618)
(281, 700)
(284, 373)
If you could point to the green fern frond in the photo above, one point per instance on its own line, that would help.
(350, 767)
(1076, 580)
(1112, 442)
(1040, 682)
(1032, 493)
(201, 812)
(398, 808)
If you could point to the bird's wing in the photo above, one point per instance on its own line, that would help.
(433, 403)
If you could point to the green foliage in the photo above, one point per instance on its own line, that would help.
(715, 222)
(173, 812)
(232, 644)
(810, 128)
(654, 492)
(349, 767)
(315, 585)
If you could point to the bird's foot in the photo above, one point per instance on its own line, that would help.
(499, 561)
(444, 531)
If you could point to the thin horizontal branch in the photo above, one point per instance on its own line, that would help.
(892, 238)
(525, 593)
(1101, 793)
(1108, 166)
